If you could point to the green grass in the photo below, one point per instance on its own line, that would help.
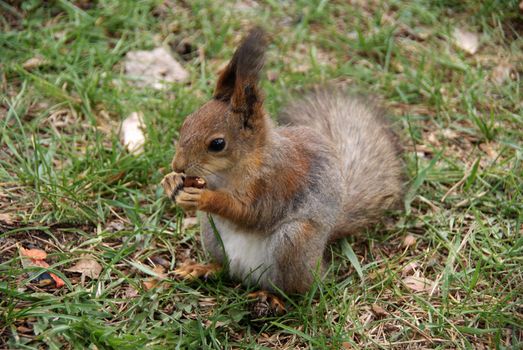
(71, 188)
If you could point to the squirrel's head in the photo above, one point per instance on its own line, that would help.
(228, 130)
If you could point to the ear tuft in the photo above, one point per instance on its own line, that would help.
(238, 83)
(251, 55)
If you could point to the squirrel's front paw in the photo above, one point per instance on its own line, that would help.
(172, 184)
(188, 198)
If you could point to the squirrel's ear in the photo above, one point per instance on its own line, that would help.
(238, 83)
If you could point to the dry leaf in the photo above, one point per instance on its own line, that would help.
(152, 282)
(272, 75)
(130, 293)
(156, 68)
(189, 222)
(34, 62)
(418, 283)
(35, 257)
(131, 133)
(87, 266)
(158, 260)
(409, 241)
(35, 254)
(379, 311)
(409, 268)
(24, 329)
(6, 218)
(488, 148)
(465, 40)
(501, 73)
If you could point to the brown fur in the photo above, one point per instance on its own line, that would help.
(280, 194)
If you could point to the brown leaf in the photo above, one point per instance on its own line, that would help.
(34, 62)
(488, 148)
(130, 293)
(35, 254)
(150, 283)
(501, 73)
(409, 241)
(272, 75)
(6, 218)
(153, 282)
(24, 329)
(87, 266)
(159, 260)
(409, 268)
(379, 311)
(418, 284)
(465, 40)
(36, 257)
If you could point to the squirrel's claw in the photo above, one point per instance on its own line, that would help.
(172, 183)
(266, 304)
(191, 270)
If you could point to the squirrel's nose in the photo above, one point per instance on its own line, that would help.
(178, 164)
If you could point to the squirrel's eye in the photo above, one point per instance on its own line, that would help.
(217, 145)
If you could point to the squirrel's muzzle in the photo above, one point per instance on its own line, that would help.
(179, 163)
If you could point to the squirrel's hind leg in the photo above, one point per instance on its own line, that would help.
(209, 240)
(298, 252)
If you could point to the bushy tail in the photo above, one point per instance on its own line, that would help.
(368, 149)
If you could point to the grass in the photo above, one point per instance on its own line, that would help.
(70, 188)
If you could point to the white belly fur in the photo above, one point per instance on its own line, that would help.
(248, 253)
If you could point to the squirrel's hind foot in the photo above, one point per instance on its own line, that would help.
(192, 270)
(266, 304)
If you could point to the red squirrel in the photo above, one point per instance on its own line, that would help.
(278, 195)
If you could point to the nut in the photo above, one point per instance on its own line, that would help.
(193, 181)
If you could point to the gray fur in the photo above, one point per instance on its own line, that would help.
(373, 176)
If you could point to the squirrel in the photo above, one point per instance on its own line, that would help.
(278, 195)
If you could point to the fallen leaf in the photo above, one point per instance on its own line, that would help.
(449, 133)
(272, 75)
(35, 257)
(36, 254)
(465, 40)
(130, 292)
(115, 226)
(488, 148)
(24, 329)
(379, 311)
(409, 241)
(87, 266)
(501, 73)
(409, 268)
(189, 222)
(161, 261)
(34, 62)
(131, 133)
(418, 284)
(156, 68)
(6, 218)
(152, 282)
